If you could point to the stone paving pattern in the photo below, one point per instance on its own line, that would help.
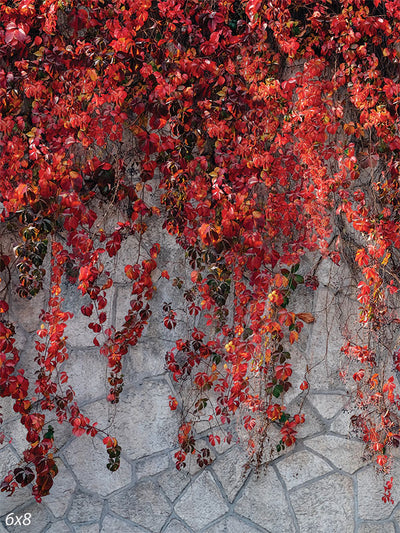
(321, 485)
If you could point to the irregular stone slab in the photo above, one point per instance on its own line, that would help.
(88, 459)
(343, 453)
(342, 423)
(173, 482)
(301, 467)
(111, 524)
(332, 275)
(323, 354)
(232, 524)
(87, 374)
(15, 434)
(143, 504)
(33, 518)
(328, 404)
(144, 423)
(396, 516)
(263, 501)
(26, 312)
(59, 527)
(370, 492)
(381, 527)
(201, 503)
(60, 494)
(77, 331)
(85, 508)
(229, 469)
(325, 506)
(176, 527)
(312, 424)
(87, 528)
(145, 360)
(149, 466)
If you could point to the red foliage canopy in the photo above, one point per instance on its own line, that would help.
(262, 123)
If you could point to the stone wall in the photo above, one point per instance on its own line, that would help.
(320, 485)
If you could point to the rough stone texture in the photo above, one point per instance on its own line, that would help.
(176, 527)
(328, 404)
(233, 524)
(301, 467)
(230, 471)
(370, 491)
(85, 456)
(87, 528)
(64, 485)
(149, 466)
(263, 501)
(342, 423)
(343, 453)
(111, 524)
(325, 506)
(59, 527)
(387, 527)
(396, 516)
(142, 504)
(173, 482)
(39, 519)
(25, 312)
(204, 490)
(87, 366)
(312, 424)
(325, 343)
(85, 508)
(145, 422)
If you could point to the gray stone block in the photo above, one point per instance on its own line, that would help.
(370, 492)
(343, 453)
(379, 527)
(85, 508)
(33, 518)
(176, 527)
(143, 504)
(230, 470)
(326, 506)
(60, 495)
(88, 458)
(201, 502)
(144, 422)
(328, 404)
(111, 524)
(264, 502)
(59, 527)
(233, 524)
(300, 467)
(173, 482)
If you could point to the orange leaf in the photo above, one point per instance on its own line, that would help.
(308, 318)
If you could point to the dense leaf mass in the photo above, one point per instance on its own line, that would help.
(264, 124)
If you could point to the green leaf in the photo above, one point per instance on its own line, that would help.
(247, 332)
(278, 389)
(50, 432)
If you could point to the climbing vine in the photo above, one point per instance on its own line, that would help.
(266, 126)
